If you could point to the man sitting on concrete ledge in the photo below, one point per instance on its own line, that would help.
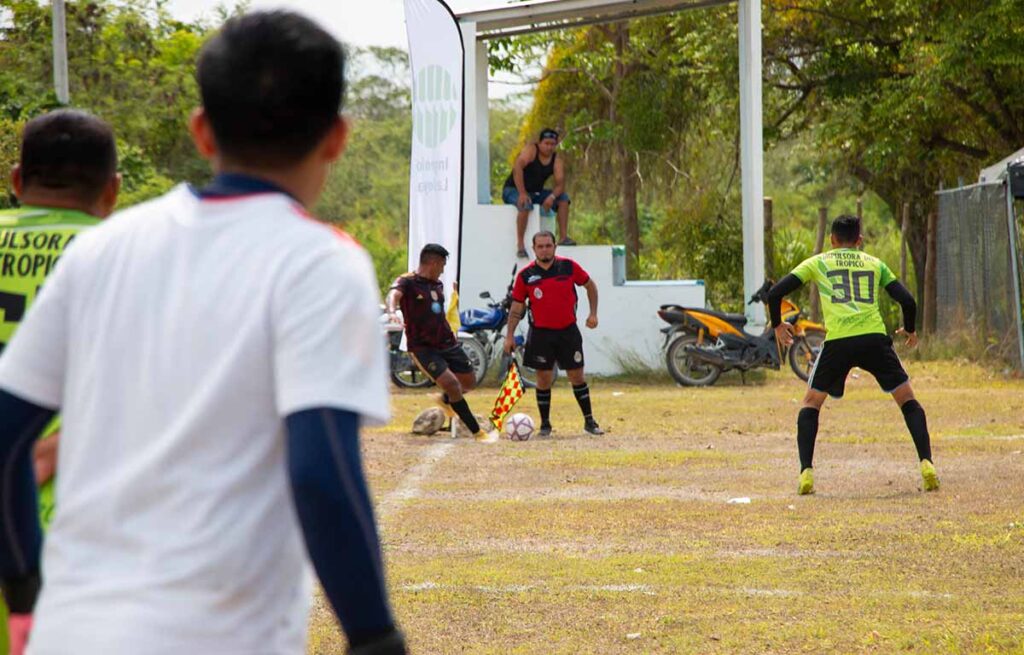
(525, 187)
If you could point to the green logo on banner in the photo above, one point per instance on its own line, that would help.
(436, 106)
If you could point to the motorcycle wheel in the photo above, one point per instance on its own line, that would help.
(684, 369)
(477, 356)
(405, 373)
(804, 353)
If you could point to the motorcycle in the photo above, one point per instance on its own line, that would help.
(404, 371)
(701, 344)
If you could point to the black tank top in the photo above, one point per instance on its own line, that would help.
(535, 174)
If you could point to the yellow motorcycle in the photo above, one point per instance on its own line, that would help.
(701, 344)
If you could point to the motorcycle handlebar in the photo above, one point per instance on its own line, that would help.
(761, 295)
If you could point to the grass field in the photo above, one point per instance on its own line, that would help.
(628, 543)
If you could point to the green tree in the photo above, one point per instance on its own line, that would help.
(629, 107)
(904, 95)
(367, 191)
(132, 64)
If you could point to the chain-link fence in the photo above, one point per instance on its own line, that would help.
(978, 270)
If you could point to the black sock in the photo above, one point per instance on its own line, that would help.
(913, 414)
(544, 405)
(806, 433)
(582, 393)
(461, 408)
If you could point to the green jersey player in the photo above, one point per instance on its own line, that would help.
(66, 180)
(850, 283)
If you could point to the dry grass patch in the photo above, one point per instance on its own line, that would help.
(628, 544)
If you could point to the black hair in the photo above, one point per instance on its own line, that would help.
(433, 250)
(846, 228)
(543, 233)
(548, 133)
(68, 150)
(272, 84)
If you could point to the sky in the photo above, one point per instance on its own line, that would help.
(356, 22)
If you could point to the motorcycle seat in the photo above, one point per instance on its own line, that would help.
(737, 320)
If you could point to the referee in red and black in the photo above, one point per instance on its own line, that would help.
(548, 287)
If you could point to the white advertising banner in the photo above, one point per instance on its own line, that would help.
(435, 173)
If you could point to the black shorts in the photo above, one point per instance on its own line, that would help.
(872, 352)
(545, 348)
(435, 362)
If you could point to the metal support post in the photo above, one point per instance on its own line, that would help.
(751, 156)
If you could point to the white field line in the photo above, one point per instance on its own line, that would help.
(651, 590)
(1006, 437)
(520, 588)
(411, 484)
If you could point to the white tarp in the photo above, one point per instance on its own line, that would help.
(435, 174)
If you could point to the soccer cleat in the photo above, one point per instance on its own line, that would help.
(591, 427)
(445, 407)
(806, 482)
(930, 477)
(545, 430)
(488, 436)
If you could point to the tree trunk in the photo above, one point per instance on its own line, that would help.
(628, 172)
(917, 240)
(819, 245)
(930, 288)
(903, 241)
(630, 215)
(769, 240)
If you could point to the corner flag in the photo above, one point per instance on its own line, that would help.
(452, 316)
(511, 391)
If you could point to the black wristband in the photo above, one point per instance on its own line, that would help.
(390, 643)
(20, 594)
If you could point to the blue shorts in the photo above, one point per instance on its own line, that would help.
(510, 195)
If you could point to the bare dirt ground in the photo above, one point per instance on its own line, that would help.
(629, 543)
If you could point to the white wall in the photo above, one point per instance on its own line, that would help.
(629, 324)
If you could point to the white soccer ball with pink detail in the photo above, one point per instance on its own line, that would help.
(519, 427)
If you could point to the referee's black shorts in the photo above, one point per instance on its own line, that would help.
(545, 348)
(872, 352)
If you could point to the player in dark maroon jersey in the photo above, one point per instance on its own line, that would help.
(430, 341)
(548, 287)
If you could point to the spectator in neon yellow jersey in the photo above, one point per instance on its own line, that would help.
(66, 180)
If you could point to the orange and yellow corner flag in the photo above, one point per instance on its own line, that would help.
(452, 316)
(511, 391)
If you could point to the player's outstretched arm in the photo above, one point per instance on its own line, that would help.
(787, 285)
(21, 536)
(333, 505)
(392, 303)
(902, 295)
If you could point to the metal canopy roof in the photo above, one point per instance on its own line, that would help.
(515, 18)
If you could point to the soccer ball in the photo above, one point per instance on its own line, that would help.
(429, 421)
(519, 427)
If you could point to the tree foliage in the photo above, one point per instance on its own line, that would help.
(131, 63)
(892, 97)
(904, 95)
(879, 99)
